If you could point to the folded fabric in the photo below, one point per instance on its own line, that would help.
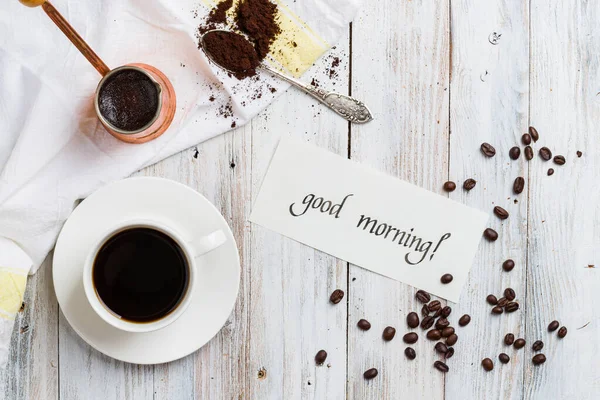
(53, 151)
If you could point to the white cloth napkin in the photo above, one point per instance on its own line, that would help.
(53, 150)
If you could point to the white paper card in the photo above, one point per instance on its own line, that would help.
(368, 218)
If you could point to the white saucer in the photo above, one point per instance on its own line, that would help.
(186, 211)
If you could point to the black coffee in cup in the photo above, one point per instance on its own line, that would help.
(141, 274)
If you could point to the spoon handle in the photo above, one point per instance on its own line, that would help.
(348, 107)
(74, 37)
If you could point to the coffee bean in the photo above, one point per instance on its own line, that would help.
(449, 186)
(528, 153)
(425, 310)
(441, 348)
(452, 339)
(447, 331)
(559, 160)
(446, 311)
(434, 334)
(410, 353)
(389, 333)
(412, 320)
(435, 305)
(509, 294)
(450, 352)
(545, 153)
(469, 184)
(514, 153)
(519, 343)
(538, 359)
(502, 302)
(497, 310)
(526, 139)
(490, 234)
(491, 299)
(446, 279)
(440, 366)
(550, 171)
(508, 265)
(427, 322)
(437, 313)
(442, 323)
(509, 339)
(464, 320)
(519, 185)
(321, 357)
(512, 307)
(504, 358)
(410, 338)
(534, 133)
(364, 324)
(488, 150)
(537, 345)
(562, 332)
(500, 212)
(336, 296)
(423, 296)
(553, 326)
(487, 364)
(370, 373)
(579, 154)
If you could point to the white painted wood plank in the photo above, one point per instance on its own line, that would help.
(489, 103)
(564, 224)
(401, 69)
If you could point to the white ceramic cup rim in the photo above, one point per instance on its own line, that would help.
(214, 240)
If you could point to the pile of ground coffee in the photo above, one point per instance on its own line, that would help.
(258, 20)
(128, 100)
(217, 17)
(232, 52)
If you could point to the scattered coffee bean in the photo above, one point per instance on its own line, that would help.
(370, 373)
(434, 334)
(519, 185)
(514, 153)
(336, 296)
(450, 352)
(509, 294)
(410, 353)
(519, 343)
(528, 153)
(437, 313)
(545, 153)
(321, 357)
(435, 305)
(446, 279)
(447, 331)
(441, 348)
(423, 296)
(469, 184)
(452, 339)
(491, 299)
(559, 160)
(537, 345)
(508, 265)
(502, 302)
(446, 311)
(512, 307)
(389, 333)
(538, 359)
(534, 134)
(509, 339)
(364, 324)
(579, 154)
(500, 212)
(427, 322)
(550, 171)
(562, 332)
(553, 326)
(497, 310)
(490, 234)
(488, 150)
(526, 139)
(410, 338)
(442, 323)
(440, 366)
(412, 320)
(504, 358)
(449, 186)
(425, 310)
(464, 320)
(487, 364)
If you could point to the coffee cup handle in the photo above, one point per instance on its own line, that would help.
(207, 243)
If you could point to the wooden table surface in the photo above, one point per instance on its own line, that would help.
(438, 89)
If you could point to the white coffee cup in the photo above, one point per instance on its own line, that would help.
(193, 249)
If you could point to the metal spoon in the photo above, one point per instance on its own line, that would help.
(349, 108)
